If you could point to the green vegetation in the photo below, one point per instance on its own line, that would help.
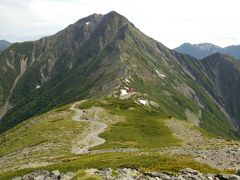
(55, 131)
(141, 127)
(175, 92)
(81, 175)
(76, 64)
(144, 161)
(95, 67)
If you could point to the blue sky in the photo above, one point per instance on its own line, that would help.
(171, 22)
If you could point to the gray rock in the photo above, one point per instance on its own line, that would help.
(48, 178)
(238, 172)
(107, 172)
(66, 177)
(28, 177)
(56, 173)
(41, 177)
(209, 178)
(159, 175)
(228, 177)
(45, 175)
(127, 172)
(189, 171)
(70, 174)
(130, 174)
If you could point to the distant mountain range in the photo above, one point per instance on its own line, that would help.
(4, 45)
(203, 50)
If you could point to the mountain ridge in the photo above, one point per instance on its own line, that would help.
(203, 50)
(93, 58)
(101, 94)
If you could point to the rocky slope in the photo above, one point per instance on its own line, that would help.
(203, 50)
(219, 75)
(36, 76)
(224, 72)
(214, 151)
(101, 55)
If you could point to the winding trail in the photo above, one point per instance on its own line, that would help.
(90, 135)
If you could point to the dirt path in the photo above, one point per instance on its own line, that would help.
(216, 152)
(90, 136)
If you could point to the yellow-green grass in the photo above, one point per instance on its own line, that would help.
(82, 175)
(141, 128)
(55, 129)
(143, 161)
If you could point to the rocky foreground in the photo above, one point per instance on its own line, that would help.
(46, 175)
(216, 152)
(127, 174)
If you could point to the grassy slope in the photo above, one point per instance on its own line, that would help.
(54, 128)
(168, 92)
(142, 128)
(147, 162)
(141, 56)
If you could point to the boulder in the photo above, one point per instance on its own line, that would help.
(159, 175)
(228, 177)
(238, 172)
(56, 173)
(41, 177)
(189, 171)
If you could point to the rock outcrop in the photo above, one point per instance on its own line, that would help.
(128, 174)
(46, 175)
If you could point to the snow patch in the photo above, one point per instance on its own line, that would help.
(87, 23)
(160, 74)
(127, 80)
(123, 92)
(143, 101)
(37, 86)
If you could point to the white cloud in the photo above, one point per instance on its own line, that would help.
(171, 22)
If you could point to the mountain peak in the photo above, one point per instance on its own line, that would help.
(97, 17)
(114, 13)
(98, 56)
(203, 50)
(114, 16)
(93, 17)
